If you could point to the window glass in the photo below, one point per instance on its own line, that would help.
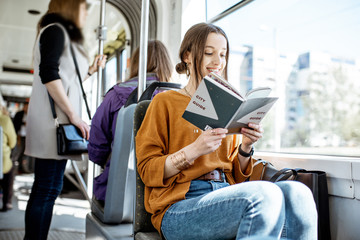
(307, 51)
(123, 63)
(214, 7)
(110, 74)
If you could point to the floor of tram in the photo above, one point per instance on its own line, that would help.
(69, 213)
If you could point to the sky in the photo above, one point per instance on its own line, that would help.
(298, 26)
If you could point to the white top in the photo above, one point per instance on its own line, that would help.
(40, 127)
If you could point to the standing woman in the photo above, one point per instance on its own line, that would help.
(9, 142)
(194, 180)
(54, 74)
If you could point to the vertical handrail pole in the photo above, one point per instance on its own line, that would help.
(143, 46)
(94, 170)
(101, 35)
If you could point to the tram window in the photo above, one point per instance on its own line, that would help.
(310, 57)
(110, 74)
(114, 41)
(216, 7)
(123, 65)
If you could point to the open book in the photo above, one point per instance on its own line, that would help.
(217, 104)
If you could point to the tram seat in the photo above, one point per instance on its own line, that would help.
(115, 219)
(119, 197)
(143, 228)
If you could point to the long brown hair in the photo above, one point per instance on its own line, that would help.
(194, 42)
(158, 61)
(68, 9)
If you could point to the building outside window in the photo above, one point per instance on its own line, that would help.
(307, 52)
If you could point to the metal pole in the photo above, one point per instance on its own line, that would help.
(101, 35)
(143, 46)
(81, 182)
(94, 170)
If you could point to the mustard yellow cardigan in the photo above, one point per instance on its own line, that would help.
(9, 141)
(164, 132)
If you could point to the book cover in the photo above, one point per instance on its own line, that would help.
(216, 104)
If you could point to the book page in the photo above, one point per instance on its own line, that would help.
(260, 92)
(225, 84)
(253, 110)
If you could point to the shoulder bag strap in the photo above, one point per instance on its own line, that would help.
(52, 104)
(284, 174)
(82, 88)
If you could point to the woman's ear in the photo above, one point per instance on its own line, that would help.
(187, 57)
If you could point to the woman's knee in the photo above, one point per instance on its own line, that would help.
(47, 189)
(266, 191)
(299, 202)
(296, 192)
(266, 198)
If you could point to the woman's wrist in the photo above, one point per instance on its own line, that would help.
(245, 147)
(72, 117)
(191, 152)
(179, 160)
(91, 71)
(246, 150)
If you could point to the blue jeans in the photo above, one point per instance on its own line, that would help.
(216, 210)
(47, 186)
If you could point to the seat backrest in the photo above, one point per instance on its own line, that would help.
(142, 217)
(150, 90)
(142, 224)
(119, 200)
(120, 191)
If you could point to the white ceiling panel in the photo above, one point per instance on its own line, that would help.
(18, 30)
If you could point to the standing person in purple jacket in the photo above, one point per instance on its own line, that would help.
(159, 68)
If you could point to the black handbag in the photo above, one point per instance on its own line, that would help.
(264, 170)
(316, 181)
(69, 138)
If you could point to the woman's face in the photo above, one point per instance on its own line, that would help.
(214, 59)
(82, 14)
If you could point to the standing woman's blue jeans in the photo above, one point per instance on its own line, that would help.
(215, 210)
(47, 186)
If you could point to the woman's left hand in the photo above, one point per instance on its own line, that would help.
(251, 136)
(99, 61)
